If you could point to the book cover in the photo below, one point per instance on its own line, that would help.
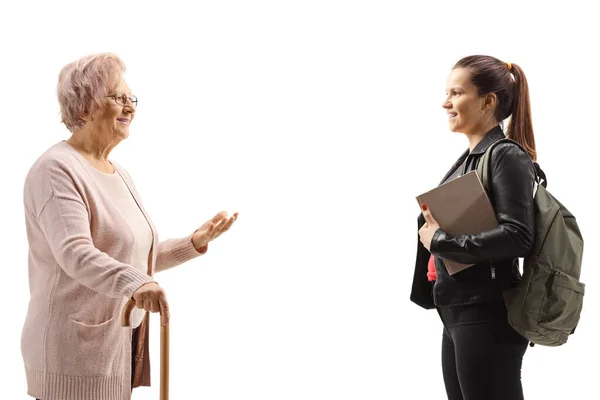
(461, 207)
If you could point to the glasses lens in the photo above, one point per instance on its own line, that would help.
(122, 99)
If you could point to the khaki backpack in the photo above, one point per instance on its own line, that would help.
(546, 304)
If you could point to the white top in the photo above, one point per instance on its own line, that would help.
(142, 233)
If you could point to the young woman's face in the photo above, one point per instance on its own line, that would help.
(467, 111)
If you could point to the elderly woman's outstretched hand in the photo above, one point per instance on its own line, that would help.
(152, 297)
(212, 229)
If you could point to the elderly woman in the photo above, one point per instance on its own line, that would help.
(92, 247)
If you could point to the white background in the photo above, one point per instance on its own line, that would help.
(319, 121)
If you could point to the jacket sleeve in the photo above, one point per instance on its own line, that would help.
(63, 218)
(512, 183)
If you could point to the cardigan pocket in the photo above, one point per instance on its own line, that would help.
(85, 325)
(95, 349)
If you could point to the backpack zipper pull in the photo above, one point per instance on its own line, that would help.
(493, 272)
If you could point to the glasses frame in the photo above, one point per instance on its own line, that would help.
(120, 96)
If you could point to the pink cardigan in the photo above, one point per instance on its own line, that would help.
(80, 277)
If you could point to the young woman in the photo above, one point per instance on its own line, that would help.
(481, 353)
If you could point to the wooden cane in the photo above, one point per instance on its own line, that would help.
(164, 348)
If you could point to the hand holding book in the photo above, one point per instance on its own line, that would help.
(461, 207)
(426, 232)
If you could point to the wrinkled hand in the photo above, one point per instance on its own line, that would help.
(212, 229)
(152, 297)
(426, 232)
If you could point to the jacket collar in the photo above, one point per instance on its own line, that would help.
(490, 137)
(493, 135)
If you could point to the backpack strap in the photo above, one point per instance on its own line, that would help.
(540, 175)
(484, 164)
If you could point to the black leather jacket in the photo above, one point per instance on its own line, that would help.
(494, 252)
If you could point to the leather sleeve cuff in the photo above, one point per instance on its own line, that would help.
(437, 237)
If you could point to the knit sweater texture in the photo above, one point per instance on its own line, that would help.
(80, 277)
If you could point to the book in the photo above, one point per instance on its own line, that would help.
(461, 207)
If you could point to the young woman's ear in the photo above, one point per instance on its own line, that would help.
(489, 102)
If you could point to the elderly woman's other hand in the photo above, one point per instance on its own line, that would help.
(212, 229)
(152, 297)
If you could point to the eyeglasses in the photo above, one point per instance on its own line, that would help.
(121, 99)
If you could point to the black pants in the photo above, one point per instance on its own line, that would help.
(481, 353)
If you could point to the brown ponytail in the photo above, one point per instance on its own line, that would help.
(520, 128)
(490, 75)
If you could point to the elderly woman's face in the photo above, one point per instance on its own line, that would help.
(114, 119)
